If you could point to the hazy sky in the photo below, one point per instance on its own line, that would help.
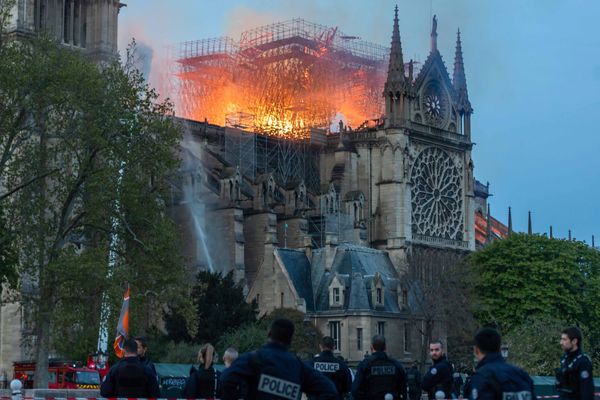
(533, 73)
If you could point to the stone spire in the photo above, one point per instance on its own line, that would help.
(569, 234)
(529, 228)
(459, 80)
(510, 229)
(395, 78)
(551, 233)
(434, 34)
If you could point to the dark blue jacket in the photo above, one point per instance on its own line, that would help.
(272, 372)
(378, 375)
(495, 379)
(439, 377)
(130, 378)
(201, 384)
(576, 378)
(334, 369)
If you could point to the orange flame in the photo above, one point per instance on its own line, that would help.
(287, 83)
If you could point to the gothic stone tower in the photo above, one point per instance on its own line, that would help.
(89, 26)
(417, 168)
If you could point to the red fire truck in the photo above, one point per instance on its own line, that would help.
(61, 375)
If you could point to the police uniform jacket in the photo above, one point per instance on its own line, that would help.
(378, 375)
(439, 377)
(576, 379)
(203, 383)
(129, 378)
(272, 372)
(495, 379)
(147, 363)
(335, 369)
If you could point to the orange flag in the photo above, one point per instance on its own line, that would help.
(122, 326)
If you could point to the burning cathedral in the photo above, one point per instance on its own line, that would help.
(326, 174)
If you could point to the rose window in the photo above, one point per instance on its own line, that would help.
(437, 202)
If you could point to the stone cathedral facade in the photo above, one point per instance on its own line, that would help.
(395, 205)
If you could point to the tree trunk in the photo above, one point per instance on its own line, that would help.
(42, 345)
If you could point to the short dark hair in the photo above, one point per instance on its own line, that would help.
(574, 332)
(378, 343)
(130, 345)
(488, 340)
(437, 341)
(143, 341)
(282, 331)
(328, 342)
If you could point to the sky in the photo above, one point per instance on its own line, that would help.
(533, 75)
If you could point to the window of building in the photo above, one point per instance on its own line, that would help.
(406, 338)
(359, 335)
(336, 333)
(282, 298)
(381, 328)
(404, 297)
(336, 295)
(379, 296)
(257, 298)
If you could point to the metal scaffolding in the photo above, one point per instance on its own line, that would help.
(291, 76)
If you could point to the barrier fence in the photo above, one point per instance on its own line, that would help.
(597, 394)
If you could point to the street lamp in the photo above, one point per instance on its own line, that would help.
(504, 351)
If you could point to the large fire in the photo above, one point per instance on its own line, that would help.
(281, 79)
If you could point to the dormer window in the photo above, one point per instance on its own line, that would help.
(336, 292)
(377, 291)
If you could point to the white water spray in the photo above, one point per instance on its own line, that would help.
(191, 163)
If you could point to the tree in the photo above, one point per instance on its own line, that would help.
(441, 301)
(524, 282)
(527, 276)
(251, 336)
(220, 306)
(85, 179)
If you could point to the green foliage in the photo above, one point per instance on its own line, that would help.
(525, 282)
(245, 338)
(305, 342)
(531, 275)
(220, 306)
(534, 345)
(85, 153)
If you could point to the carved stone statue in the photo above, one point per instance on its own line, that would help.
(434, 26)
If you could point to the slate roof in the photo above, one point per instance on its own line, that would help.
(355, 267)
(297, 267)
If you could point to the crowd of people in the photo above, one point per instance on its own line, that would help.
(273, 372)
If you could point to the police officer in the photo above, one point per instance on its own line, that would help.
(379, 375)
(129, 377)
(333, 367)
(574, 379)
(439, 376)
(494, 378)
(272, 372)
(142, 352)
(413, 376)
